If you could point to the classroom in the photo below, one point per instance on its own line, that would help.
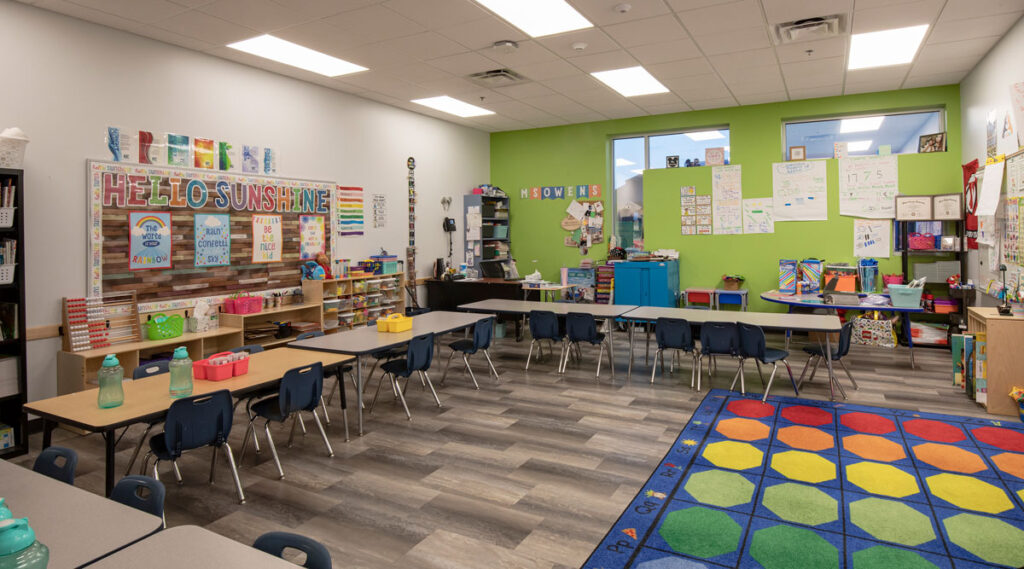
(446, 284)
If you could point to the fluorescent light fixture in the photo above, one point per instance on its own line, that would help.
(887, 47)
(705, 135)
(452, 106)
(858, 145)
(538, 17)
(631, 81)
(288, 53)
(863, 124)
(624, 162)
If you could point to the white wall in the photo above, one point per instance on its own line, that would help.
(67, 80)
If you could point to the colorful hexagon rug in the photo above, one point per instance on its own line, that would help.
(800, 483)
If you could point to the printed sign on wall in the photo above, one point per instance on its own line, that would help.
(266, 238)
(150, 240)
(311, 236)
(213, 239)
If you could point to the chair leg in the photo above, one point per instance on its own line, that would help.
(296, 419)
(759, 374)
(344, 418)
(138, 447)
(660, 355)
(273, 450)
(249, 430)
(145, 463)
(814, 370)
(465, 358)
(156, 469)
(791, 380)
(330, 396)
(355, 386)
(694, 368)
(430, 384)
(600, 356)
(302, 423)
(647, 348)
(327, 418)
(655, 368)
(775, 368)
(611, 365)
(447, 365)
(847, 370)
(177, 472)
(739, 372)
(380, 383)
(699, 370)
(323, 433)
(803, 372)
(213, 462)
(234, 472)
(529, 355)
(401, 396)
(491, 364)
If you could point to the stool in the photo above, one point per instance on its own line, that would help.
(737, 297)
(700, 296)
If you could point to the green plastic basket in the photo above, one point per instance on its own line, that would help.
(163, 327)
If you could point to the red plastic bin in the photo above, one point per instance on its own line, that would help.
(218, 372)
(241, 366)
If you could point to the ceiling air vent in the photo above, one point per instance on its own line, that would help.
(808, 29)
(497, 78)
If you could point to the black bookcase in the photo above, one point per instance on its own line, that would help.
(13, 298)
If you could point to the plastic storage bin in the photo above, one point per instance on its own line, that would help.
(903, 296)
(7, 217)
(7, 274)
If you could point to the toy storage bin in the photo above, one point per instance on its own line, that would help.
(7, 274)
(12, 152)
(903, 296)
(241, 365)
(163, 327)
(347, 318)
(345, 303)
(920, 241)
(373, 314)
(373, 285)
(358, 286)
(7, 217)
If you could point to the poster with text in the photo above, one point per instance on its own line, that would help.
(149, 245)
(311, 236)
(726, 194)
(266, 238)
(758, 216)
(868, 186)
(800, 191)
(871, 238)
(213, 239)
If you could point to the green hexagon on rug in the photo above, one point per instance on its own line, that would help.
(991, 539)
(701, 532)
(720, 488)
(801, 504)
(884, 557)
(892, 521)
(784, 547)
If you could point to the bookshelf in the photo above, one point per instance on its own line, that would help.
(13, 372)
(356, 301)
(495, 240)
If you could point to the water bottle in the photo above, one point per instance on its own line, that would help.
(110, 376)
(181, 373)
(5, 514)
(19, 548)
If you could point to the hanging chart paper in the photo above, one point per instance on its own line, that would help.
(868, 186)
(1015, 177)
(727, 193)
(991, 187)
(871, 238)
(758, 216)
(800, 191)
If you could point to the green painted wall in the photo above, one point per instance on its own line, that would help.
(580, 154)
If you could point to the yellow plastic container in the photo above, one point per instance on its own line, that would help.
(394, 323)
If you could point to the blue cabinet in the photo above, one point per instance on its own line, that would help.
(647, 283)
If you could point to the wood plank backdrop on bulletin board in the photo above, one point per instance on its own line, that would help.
(118, 189)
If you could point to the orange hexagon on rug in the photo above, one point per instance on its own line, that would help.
(806, 438)
(1010, 463)
(874, 448)
(949, 457)
(742, 429)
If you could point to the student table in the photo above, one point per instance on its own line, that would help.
(149, 398)
(548, 290)
(770, 320)
(366, 340)
(78, 526)
(190, 546)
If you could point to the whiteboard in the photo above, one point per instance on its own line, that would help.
(868, 186)
(800, 191)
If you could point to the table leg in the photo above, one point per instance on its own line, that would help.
(359, 392)
(48, 427)
(833, 381)
(789, 332)
(632, 332)
(905, 320)
(611, 345)
(110, 438)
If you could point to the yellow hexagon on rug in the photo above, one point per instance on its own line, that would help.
(949, 457)
(882, 479)
(803, 466)
(872, 447)
(969, 493)
(742, 429)
(734, 455)
(805, 438)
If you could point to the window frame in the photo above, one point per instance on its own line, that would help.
(941, 109)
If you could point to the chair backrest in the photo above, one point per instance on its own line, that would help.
(152, 368)
(198, 421)
(544, 325)
(752, 342)
(719, 338)
(58, 463)
(308, 335)
(301, 388)
(251, 348)
(844, 340)
(482, 331)
(420, 353)
(275, 542)
(580, 327)
(140, 492)
(674, 334)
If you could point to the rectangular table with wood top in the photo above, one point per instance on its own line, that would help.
(77, 526)
(149, 398)
(190, 546)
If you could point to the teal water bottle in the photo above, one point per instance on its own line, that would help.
(110, 376)
(181, 373)
(5, 514)
(19, 548)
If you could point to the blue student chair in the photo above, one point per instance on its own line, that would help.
(754, 346)
(300, 390)
(195, 422)
(275, 542)
(418, 357)
(142, 372)
(579, 328)
(251, 348)
(544, 325)
(58, 463)
(716, 339)
(337, 371)
(467, 347)
(673, 334)
(142, 493)
(151, 369)
(838, 353)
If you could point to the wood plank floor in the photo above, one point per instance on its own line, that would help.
(528, 472)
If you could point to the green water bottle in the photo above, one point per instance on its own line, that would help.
(19, 548)
(5, 514)
(110, 376)
(181, 373)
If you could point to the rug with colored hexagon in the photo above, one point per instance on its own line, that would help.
(796, 483)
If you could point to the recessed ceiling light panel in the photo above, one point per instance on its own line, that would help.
(288, 53)
(538, 17)
(887, 47)
(862, 124)
(452, 106)
(631, 81)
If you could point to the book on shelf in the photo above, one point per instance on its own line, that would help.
(8, 321)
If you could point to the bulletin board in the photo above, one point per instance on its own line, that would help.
(1007, 231)
(140, 213)
(594, 225)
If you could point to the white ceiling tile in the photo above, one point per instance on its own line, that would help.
(765, 84)
(427, 45)
(930, 80)
(733, 41)
(817, 73)
(262, 15)
(146, 11)
(582, 115)
(665, 51)
(744, 59)
(656, 100)
(553, 103)
(525, 90)
(499, 122)
(483, 96)
(480, 34)
(165, 36)
(962, 48)
(602, 98)
(647, 31)
(815, 92)
(869, 4)
(718, 103)
(603, 12)
(317, 8)
(597, 42)
(604, 61)
(573, 84)
(373, 24)
(797, 52)
(451, 86)
(416, 72)
(553, 69)
(684, 5)
(770, 75)
(207, 28)
(853, 88)
(955, 30)
(465, 63)
(546, 122)
(966, 9)
(928, 65)
(88, 14)
(878, 74)
(724, 18)
(683, 68)
(624, 113)
(896, 16)
(779, 11)
(759, 98)
(700, 87)
(679, 107)
(527, 53)
(437, 13)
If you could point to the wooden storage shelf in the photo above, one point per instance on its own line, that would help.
(1003, 336)
(307, 311)
(344, 288)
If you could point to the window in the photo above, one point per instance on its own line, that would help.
(633, 154)
(863, 134)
